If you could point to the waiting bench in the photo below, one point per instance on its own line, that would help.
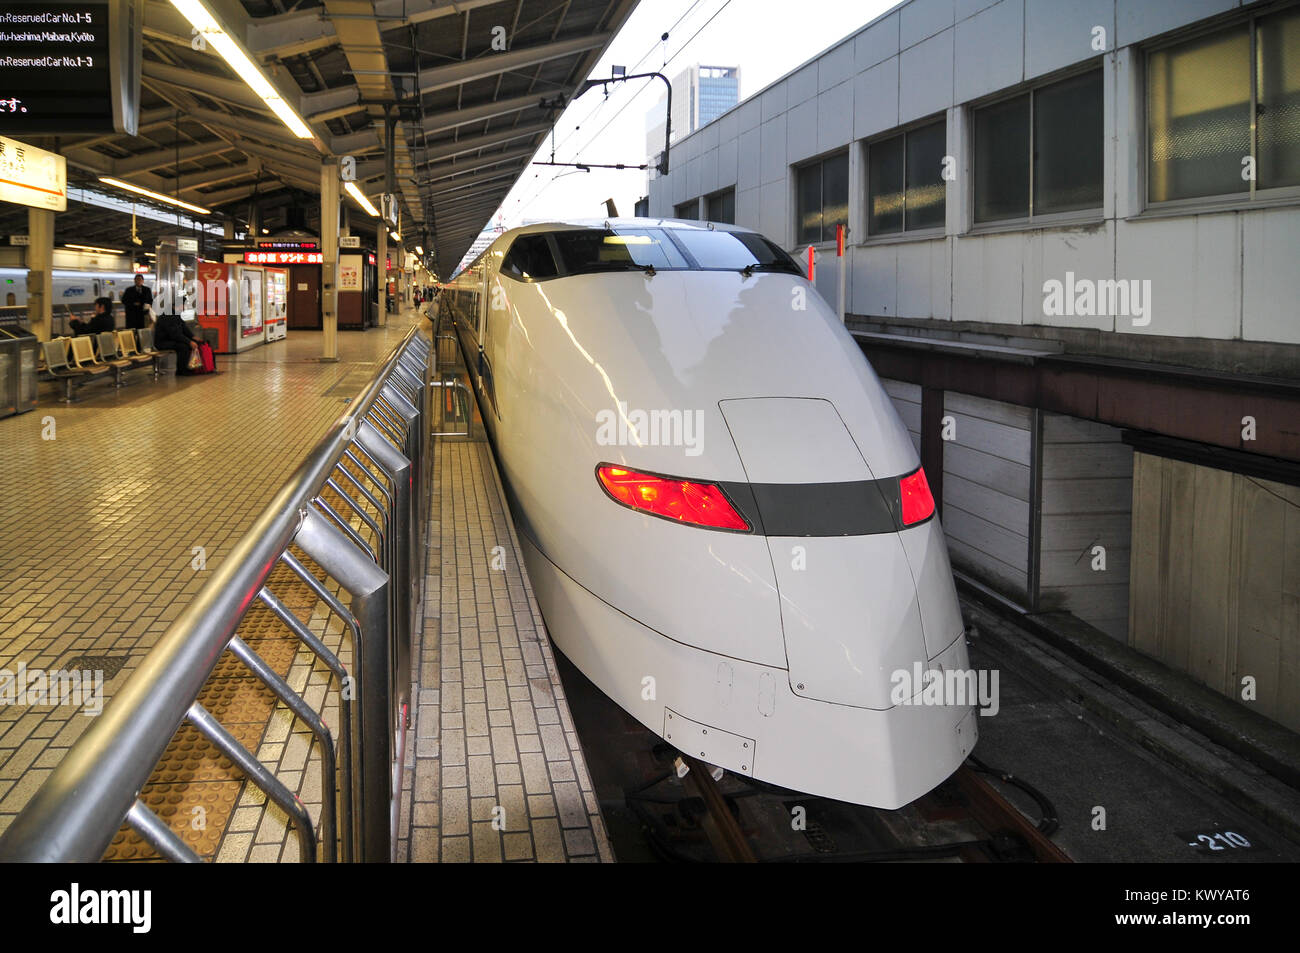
(61, 368)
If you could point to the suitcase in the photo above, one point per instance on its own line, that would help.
(207, 362)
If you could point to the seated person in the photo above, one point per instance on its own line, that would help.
(170, 333)
(102, 321)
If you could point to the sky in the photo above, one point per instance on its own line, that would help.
(765, 38)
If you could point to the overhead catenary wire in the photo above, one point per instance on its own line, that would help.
(681, 49)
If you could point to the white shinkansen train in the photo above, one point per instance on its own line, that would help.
(724, 520)
(77, 289)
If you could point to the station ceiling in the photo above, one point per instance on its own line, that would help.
(472, 114)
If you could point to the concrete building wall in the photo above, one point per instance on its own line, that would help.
(1215, 579)
(1218, 274)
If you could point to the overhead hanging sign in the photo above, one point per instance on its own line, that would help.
(282, 258)
(289, 245)
(31, 176)
(69, 67)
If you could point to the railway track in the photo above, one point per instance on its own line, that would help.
(653, 811)
(966, 819)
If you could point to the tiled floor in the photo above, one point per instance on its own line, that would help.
(497, 773)
(100, 558)
(107, 500)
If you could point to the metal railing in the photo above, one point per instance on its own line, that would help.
(382, 441)
(454, 416)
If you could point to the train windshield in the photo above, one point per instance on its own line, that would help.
(596, 249)
(732, 251)
(629, 248)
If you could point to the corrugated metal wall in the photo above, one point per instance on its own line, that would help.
(907, 401)
(988, 491)
(1087, 497)
(1215, 579)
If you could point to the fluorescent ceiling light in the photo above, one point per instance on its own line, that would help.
(419, 250)
(396, 237)
(245, 68)
(156, 196)
(108, 251)
(360, 198)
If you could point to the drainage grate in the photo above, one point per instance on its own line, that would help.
(110, 665)
(818, 838)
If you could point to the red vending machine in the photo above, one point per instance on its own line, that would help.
(232, 301)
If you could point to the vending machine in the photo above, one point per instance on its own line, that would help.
(277, 303)
(232, 302)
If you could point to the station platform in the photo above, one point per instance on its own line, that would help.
(132, 496)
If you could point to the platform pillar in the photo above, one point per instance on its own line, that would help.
(381, 270)
(329, 265)
(40, 275)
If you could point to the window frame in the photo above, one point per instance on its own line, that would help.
(929, 233)
(682, 218)
(1093, 215)
(1253, 197)
(846, 152)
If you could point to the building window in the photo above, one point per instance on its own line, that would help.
(688, 210)
(1203, 100)
(722, 207)
(823, 199)
(1040, 153)
(905, 185)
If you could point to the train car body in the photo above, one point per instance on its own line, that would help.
(77, 289)
(725, 522)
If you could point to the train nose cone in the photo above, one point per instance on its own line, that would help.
(849, 608)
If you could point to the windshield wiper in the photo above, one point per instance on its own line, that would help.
(770, 266)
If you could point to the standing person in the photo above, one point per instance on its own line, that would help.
(172, 334)
(134, 300)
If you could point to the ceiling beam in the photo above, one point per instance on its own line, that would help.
(466, 71)
(244, 126)
(162, 158)
(477, 213)
(445, 171)
(314, 105)
(471, 182)
(445, 150)
(235, 193)
(289, 34)
(198, 180)
(450, 119)
(204, 83)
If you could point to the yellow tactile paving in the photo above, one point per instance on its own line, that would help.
(122, 505)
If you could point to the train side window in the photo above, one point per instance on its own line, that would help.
(530, 257)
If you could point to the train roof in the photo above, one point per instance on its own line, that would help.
(622, 222)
